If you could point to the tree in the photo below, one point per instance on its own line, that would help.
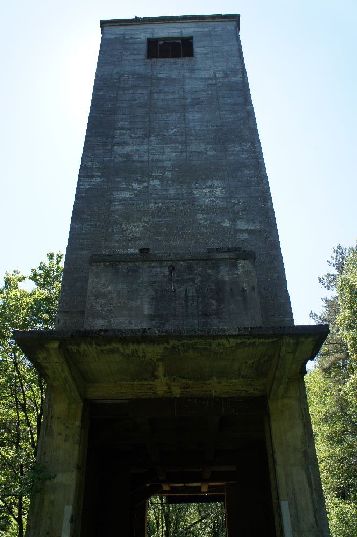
(332, 389)
(347, 293)
(26, 302)
(185, 519)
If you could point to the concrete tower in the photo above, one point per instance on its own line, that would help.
(175, 367)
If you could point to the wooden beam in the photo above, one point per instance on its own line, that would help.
(204, 487)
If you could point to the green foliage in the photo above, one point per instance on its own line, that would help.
(347, 294)
(25, 303)
(332, 389)
(185, 519)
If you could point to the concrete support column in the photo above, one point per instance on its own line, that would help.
(234, 519)
(106, 510)
(139, 519)
(298, 480)
(56, 502)
(249, 510)
(112, 514)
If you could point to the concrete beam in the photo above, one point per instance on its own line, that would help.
(116, 365)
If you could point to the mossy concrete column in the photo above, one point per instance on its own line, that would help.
(56, 501)
(298, 481)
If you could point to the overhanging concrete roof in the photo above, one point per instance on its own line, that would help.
(132, 364)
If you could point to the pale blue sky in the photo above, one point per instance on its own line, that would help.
(301, 62)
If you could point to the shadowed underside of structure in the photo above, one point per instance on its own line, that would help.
(190, 450)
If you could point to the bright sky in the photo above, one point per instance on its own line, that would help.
(301, 62)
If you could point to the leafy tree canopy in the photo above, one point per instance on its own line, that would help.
(26, 302)
(332, 394)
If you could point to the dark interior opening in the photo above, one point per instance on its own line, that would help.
(170, 47)
(184, 451)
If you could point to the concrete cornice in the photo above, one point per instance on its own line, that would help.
(175, 19)
(319, 331)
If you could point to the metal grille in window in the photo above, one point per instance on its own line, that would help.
(170, 47)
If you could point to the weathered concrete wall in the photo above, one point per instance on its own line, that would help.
(302, 506)
(172, 161)
(56, 501)
(172, 292)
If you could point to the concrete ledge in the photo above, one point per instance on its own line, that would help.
(146, 255)
(320, 331)
(176, 19)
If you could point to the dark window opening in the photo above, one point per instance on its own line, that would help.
(170, 47)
